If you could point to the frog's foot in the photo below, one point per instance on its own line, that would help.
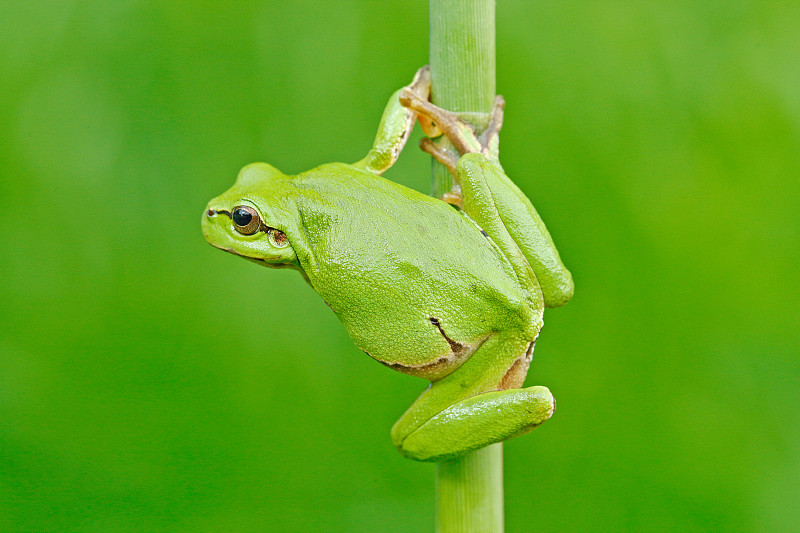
(444, 153)
(460, 134)
(479, 421)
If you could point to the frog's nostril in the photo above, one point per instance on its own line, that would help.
(211, 213)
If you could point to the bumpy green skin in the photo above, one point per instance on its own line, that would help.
(448, 295)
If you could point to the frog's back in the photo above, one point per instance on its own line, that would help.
(376, 248)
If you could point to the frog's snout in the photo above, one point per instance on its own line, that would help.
(207, 221)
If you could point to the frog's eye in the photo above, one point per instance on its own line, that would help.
(278, 238)
(245, 219)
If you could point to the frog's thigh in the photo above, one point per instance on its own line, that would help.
(500, 362)
(479, 421)
(503, 211)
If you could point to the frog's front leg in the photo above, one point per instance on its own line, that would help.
(476, 405)
(396, 125)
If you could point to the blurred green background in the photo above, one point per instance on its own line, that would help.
(151, 383)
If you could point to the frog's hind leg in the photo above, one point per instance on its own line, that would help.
(479, 421)
(395, 126)
(476, 405)
(490, 197)
(507, 215)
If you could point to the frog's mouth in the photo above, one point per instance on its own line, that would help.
(225, 249)
(262, 262)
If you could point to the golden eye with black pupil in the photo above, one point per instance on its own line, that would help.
(245, 219)
(278, 238)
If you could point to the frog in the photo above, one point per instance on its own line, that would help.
(450, 289)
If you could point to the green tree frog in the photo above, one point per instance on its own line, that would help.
(454, 295)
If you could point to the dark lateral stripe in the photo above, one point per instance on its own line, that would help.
(456, 347)
(213, 212)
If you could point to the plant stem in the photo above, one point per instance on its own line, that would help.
(469, 490)
(462, 65)
(469, 493)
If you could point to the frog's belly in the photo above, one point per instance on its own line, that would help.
(421, 319)
(409, 341)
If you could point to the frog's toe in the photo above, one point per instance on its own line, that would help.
(442, 152)
(490, 138)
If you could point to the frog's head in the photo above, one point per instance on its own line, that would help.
(246, 219)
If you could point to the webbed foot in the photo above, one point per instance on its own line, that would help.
(461, 135)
